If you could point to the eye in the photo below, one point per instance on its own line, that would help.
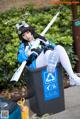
(23, 35)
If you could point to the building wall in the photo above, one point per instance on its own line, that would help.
(7, 4)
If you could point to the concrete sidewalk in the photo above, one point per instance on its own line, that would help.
(72, 105)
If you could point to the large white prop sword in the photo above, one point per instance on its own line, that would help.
(18, 73)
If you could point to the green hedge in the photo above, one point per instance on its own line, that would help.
(59, 33)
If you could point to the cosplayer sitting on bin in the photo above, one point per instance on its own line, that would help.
(38, 52)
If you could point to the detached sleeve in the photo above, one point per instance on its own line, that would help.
(46, 42)
(22, 56)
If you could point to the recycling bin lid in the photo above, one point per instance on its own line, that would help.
(35, 70)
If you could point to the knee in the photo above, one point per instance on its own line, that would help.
(59, 47)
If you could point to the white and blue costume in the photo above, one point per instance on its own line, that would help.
(36, 52)
(39, 52)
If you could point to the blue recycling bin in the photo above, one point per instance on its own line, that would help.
(9, 109)
(48, 90)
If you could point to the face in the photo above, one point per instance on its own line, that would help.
(27, 36)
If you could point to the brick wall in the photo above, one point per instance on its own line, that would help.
(7, 4)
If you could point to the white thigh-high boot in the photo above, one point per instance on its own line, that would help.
(64, 60)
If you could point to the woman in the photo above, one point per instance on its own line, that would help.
(38, 52)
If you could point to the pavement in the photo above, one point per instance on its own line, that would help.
(72, 105)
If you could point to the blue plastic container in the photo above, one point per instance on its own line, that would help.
(9, 109)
